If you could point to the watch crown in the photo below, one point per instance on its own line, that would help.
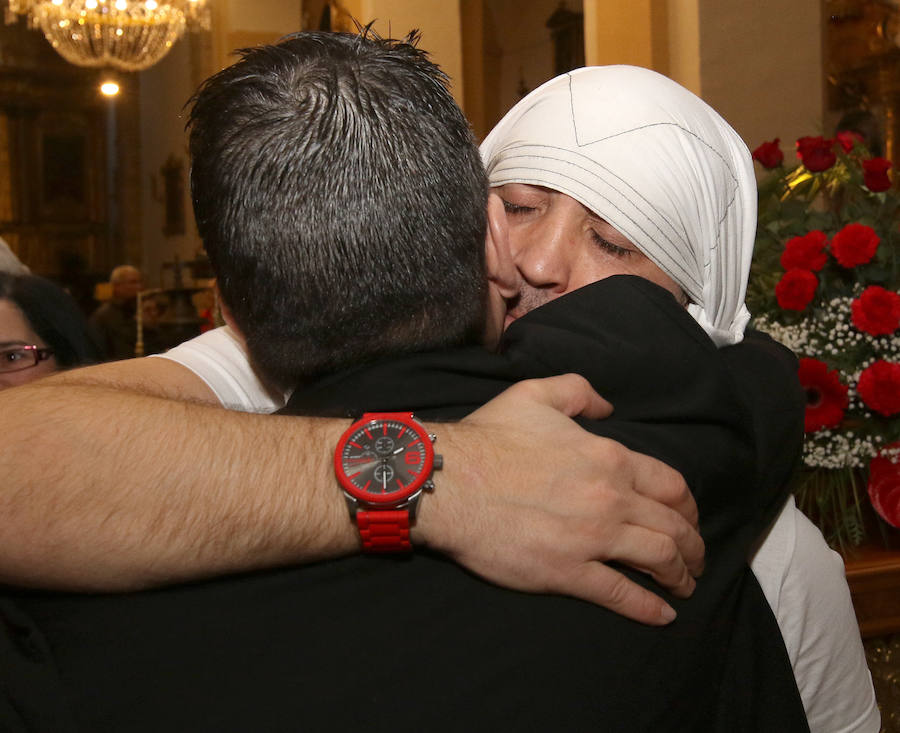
(438, 463)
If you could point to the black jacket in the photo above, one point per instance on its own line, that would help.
(417, 643)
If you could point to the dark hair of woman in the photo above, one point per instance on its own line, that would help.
(54, 316)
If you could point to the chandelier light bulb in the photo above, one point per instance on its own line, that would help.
(109, 88)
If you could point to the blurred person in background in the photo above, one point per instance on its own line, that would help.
(114, 321)
(41, 330)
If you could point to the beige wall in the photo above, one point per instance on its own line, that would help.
(243, 23)
(631, 32)
(761, 67)
(683, 42)
(437, 20)
(758, 62)
(164, 90)
(521, 52)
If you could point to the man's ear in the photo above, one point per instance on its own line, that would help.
(501, 270)
(228, 318)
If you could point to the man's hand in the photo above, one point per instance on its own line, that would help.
(531, 501)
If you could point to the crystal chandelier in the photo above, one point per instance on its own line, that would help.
(125, 34)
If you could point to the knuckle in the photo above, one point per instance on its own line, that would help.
(618, 591)
(681, 490)
(528, 389)
(607, 506)
(666, 550)
(613, 460)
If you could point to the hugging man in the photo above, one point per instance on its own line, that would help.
(339, 167)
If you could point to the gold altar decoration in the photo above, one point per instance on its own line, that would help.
(126, 34)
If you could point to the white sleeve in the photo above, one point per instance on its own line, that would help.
(804, 581)
(219, 359)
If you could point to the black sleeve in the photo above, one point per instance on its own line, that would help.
(765, 373)
(713, 414)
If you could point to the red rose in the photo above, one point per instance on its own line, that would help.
(884, 484)
(848, 138)
(816, 153)
(875, 174)
(806, 252)
(769, 154)
(876, 311)
(796, 289)
(826, 397)
(879, 387)
(854, 245)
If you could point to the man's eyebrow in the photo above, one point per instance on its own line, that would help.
(5, 344)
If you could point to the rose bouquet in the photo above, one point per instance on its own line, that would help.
(825, 282)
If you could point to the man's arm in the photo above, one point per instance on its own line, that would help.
(110, 487)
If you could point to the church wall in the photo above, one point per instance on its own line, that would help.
(518, 55)
(683, 43)
(164, 90)
(625, 33)
(758, 62)
(437, 20)
(761, 67)
(241, 24)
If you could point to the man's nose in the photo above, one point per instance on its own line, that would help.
(542, 259)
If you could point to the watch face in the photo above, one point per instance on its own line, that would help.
(384, 459)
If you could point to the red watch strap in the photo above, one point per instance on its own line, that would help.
(384, 531)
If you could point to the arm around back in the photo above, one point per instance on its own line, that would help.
(112, 484)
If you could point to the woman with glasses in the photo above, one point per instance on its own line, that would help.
(41, 330)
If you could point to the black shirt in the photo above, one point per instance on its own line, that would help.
(418, 643)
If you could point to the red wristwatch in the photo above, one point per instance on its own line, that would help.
(383, 463)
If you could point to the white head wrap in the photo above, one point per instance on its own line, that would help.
(653, 160)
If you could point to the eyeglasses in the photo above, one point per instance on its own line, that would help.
(16, 358)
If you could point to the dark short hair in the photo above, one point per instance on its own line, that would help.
(341, 198)
(54, 316)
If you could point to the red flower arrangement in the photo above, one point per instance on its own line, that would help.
(875, 174)
(806, 252)
(854, 245)
(816, 153)
(826, 282)
(884, 484)
(879, 387)
(876, 311)
(826, 396)
(847, 139)
(796, 289)
(769, 154)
